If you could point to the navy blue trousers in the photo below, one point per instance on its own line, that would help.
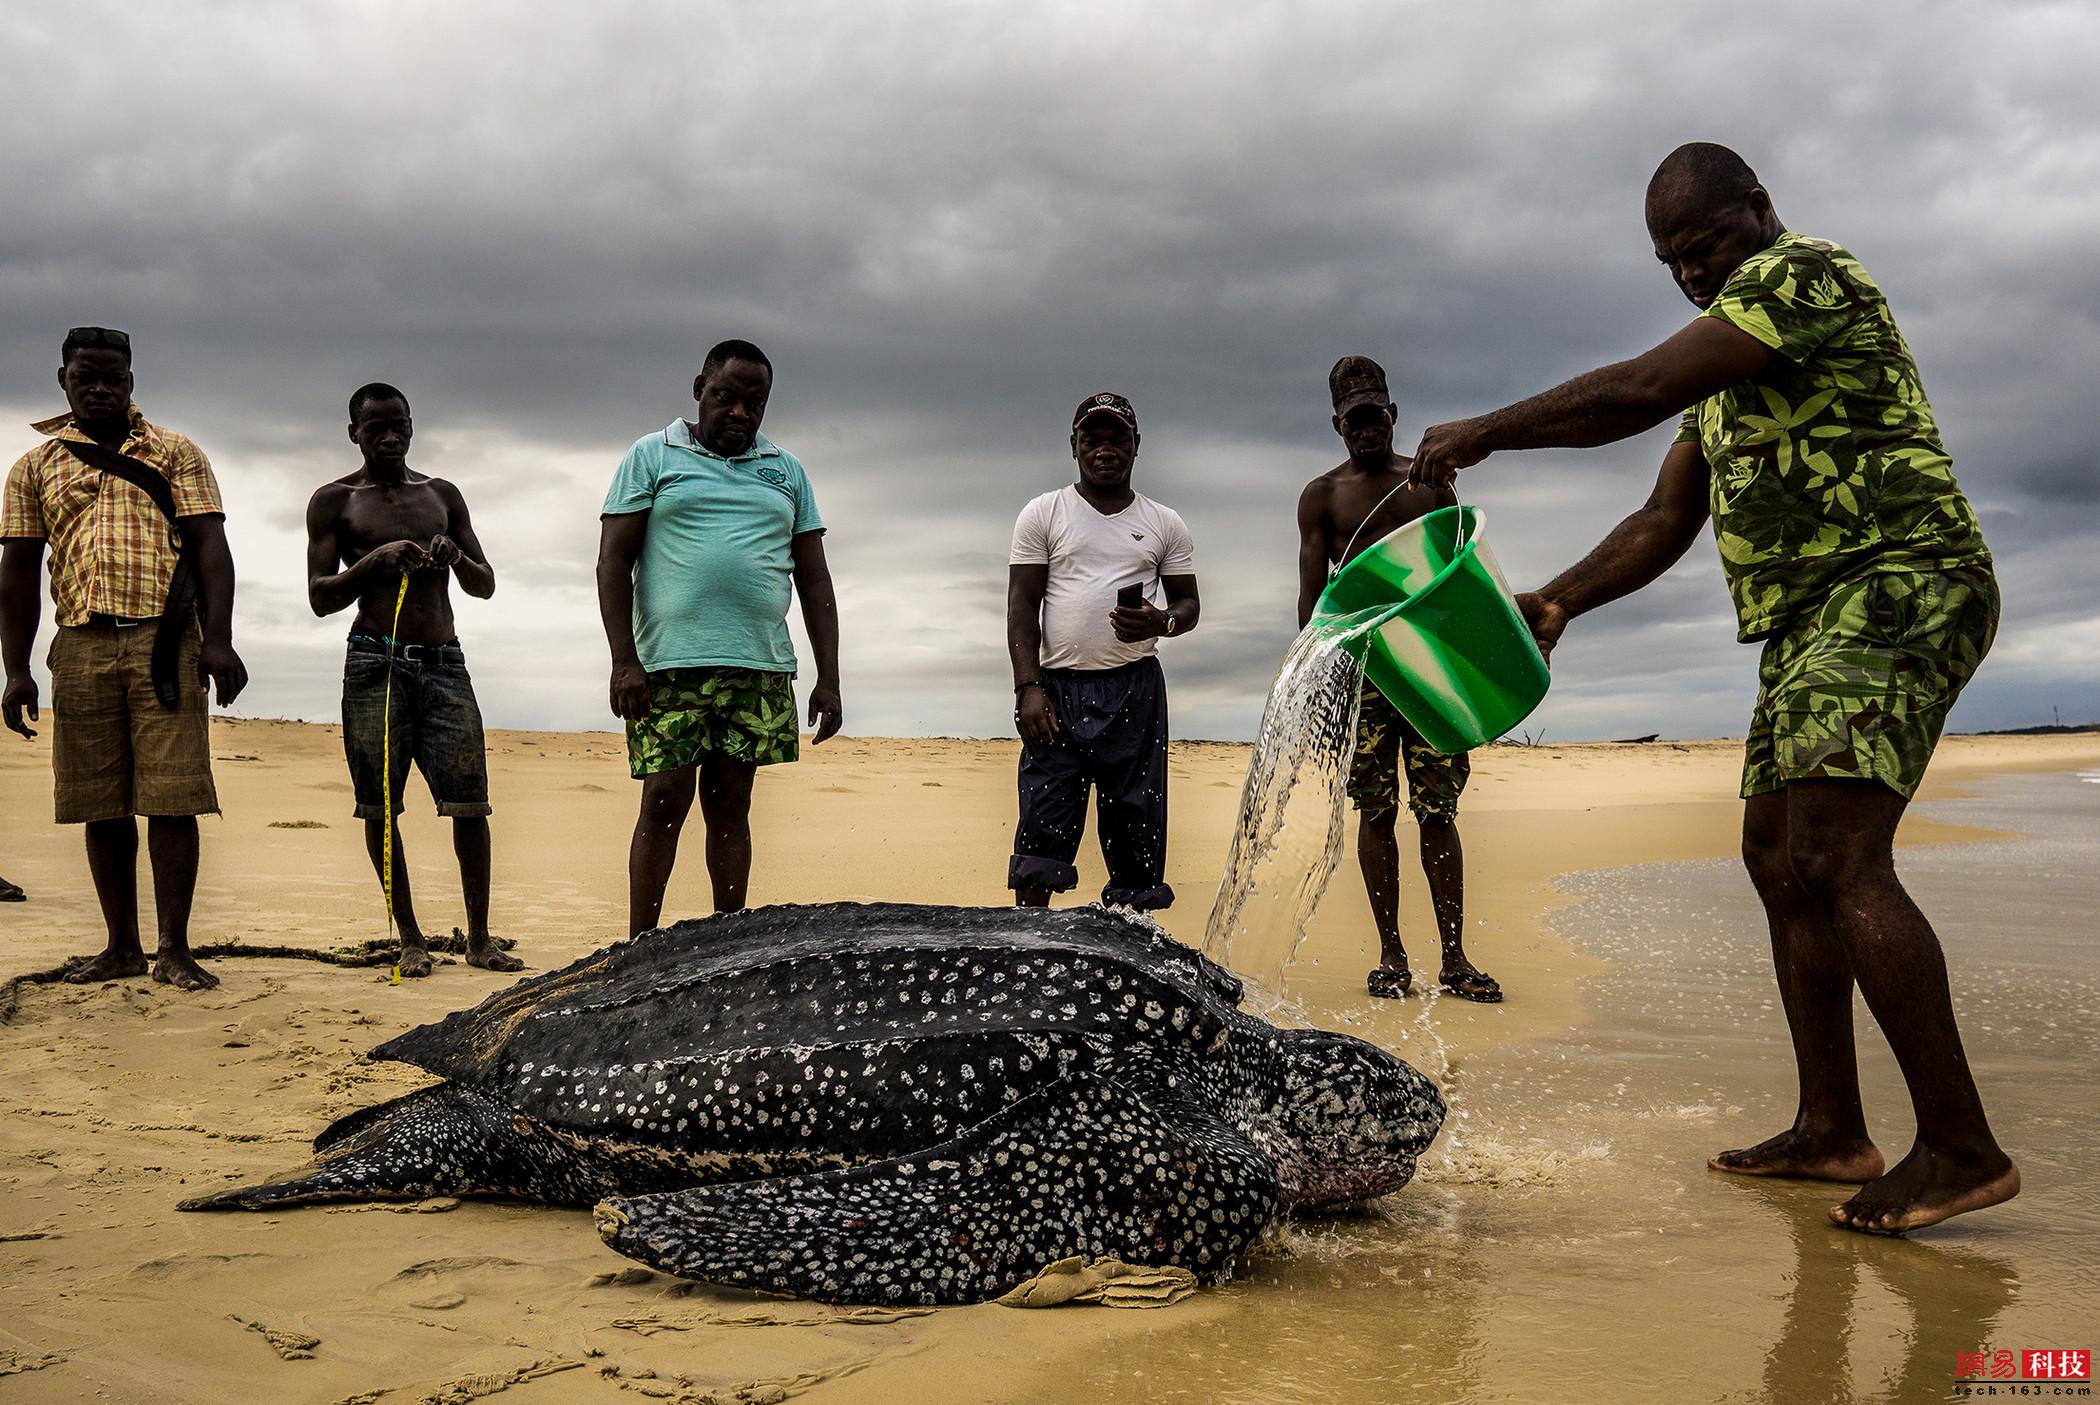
(1112, 740)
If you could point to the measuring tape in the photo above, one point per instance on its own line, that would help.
(386, 770)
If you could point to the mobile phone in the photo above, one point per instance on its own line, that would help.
(1131, 597)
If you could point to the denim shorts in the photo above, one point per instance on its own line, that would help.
(437, 724)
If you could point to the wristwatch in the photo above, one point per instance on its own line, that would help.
(1173, 623)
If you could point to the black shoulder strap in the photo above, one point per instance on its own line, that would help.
(142, 476)
(183, 596)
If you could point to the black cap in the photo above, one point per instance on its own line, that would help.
(1357, 380)
(1107, 403)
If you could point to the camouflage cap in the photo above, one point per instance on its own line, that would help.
(1357, 380)
(1107, 403)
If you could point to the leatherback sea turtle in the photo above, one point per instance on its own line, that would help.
(886, 1103)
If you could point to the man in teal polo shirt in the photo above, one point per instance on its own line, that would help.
(707, 530)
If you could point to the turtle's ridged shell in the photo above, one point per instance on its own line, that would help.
(806, 1031)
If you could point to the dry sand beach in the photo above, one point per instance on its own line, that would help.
(1561, 1242)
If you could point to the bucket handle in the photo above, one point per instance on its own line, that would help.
(1343, 559)
(1458, 551)
(1334, 570)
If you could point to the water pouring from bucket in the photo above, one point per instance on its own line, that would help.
(1426, 615)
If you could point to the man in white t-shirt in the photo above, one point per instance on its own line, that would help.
(1090, 566)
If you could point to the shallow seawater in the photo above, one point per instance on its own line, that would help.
(1564, 1240)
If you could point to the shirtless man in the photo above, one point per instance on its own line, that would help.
(364, 534)
(1343, 511)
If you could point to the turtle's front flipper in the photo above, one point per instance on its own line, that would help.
(445, 1140)
(1131, 1166)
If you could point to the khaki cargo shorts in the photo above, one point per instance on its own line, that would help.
(115, 752)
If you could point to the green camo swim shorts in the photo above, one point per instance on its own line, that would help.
(1386, 747)
(1859, 686)
(741, 713)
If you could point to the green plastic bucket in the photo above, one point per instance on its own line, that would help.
(1452, 653)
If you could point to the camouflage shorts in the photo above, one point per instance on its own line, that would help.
(741, 713)
(1859, 687)
(1385, 748)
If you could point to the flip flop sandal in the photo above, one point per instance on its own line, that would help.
(1389, 984)
(1474, 985)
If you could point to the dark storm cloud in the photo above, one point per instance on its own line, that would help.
(947, 223)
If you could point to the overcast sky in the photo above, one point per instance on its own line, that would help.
(948, 222)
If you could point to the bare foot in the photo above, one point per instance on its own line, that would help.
(482, 951)
(1927, 1187)
(1805, 1158)
(109, 966)
(414, 960)
(180, 969)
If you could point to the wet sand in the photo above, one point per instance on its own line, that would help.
(1569, 1244)
(1563, 1241)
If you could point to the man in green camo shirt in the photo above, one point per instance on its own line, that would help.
(1853, 556)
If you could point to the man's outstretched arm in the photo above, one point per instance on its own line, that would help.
(1639, 549)
(1602, 406)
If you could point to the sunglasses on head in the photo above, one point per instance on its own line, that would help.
(98, 339)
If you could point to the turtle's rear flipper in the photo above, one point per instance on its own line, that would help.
(445, 1140)
(1125, 1166)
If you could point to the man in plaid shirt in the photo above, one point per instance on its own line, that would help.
(117, 750)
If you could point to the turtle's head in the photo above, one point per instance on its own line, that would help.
(1354, 1118)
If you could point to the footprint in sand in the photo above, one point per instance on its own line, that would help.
(178, 1264)
(591, 788)
(444, 1302)
(430, 1268)
(836, 790)
(297, 824)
